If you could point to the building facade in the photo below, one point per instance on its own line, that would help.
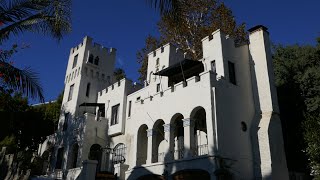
(212, 118)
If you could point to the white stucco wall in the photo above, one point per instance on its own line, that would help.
(227, 106)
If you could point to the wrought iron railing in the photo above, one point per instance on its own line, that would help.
(158, 157)
(119, 155)
(178, 153)
(201, 150)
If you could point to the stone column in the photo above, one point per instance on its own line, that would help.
(89, 169)
(168, 135)
(150, 134)
(188, 125)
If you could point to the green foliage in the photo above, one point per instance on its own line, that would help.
(119, 74)
(10, 143)
(151, 43)
(297, 70)
(29, 124)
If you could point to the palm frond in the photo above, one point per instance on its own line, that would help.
(165, 6)
(25, 81)
(49, 17)
(14, 10)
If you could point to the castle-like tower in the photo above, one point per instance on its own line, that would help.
(89, 70)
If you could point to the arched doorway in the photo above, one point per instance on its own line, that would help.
(200, 131)
(142, 145)
(96, 154)
(158, 142)
(178, 136)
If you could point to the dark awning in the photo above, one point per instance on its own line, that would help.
(92, 104)
(176, 68)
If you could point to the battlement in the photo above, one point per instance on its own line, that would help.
(216, 34)
(202, 80)
(87, 41)
(114, 87)
(164, 49)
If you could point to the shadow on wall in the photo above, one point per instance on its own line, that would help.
(221, 169)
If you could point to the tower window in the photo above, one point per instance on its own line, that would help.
(86, 71)
(88, 90)
(90, 58)
(97, 75)
(232, 73)
(157, 62)
(114, 114)
(65, 123)
(70, 92)
(91, 73)
(75, 59)
(96, 61)
(129, 111)
(158, 87)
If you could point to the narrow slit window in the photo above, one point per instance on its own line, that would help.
(88, 90)
(70, 92)
(232, 73)
(75, 60)
(129, 109)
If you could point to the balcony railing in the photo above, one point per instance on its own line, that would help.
(178, 153)
(201, 150)
(57, 174)
(159, 157)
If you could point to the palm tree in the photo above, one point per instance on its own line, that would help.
(48, 17)
(166, 7)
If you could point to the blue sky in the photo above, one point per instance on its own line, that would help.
(124, 24)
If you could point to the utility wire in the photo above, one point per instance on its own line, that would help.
(157, 128)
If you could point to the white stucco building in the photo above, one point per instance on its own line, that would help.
(213, 118)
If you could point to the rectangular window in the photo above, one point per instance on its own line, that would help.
(213, 66)
(114, 114)
(88, 90)
(75, 59)
(232, 73)
(158, 87)
(65, 123)
(129, 109)
(70, 92)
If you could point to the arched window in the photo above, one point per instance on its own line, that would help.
(90, 58)
(178, 136)
(198, 114)
(119, 155)
(142, 146)
(96, 60)
(88, 90)
(151, 73)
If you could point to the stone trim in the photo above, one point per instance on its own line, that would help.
(150, 132)
(188, 122)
